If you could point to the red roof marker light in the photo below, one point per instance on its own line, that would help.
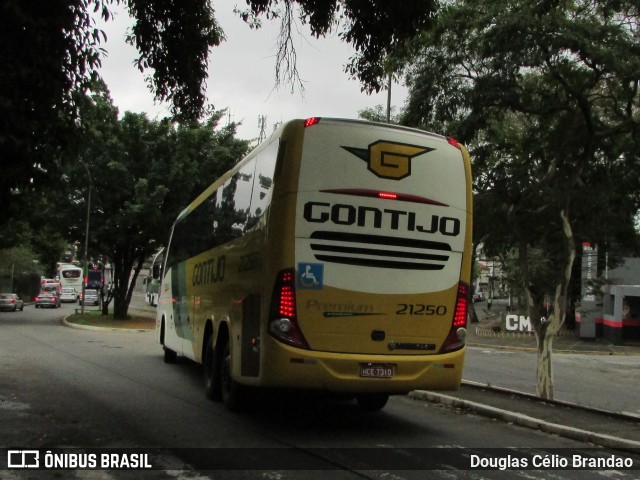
(388, 195)
(311, 121)
(453, 141)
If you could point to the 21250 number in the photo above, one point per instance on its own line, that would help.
(420, 309)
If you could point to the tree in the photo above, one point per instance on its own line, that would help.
(143, 174)
(51, 50)
(377, 29)
(46, 50)
(16, 262)
(546, 95)
(379, 114)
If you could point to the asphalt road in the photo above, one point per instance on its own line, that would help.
(82, 389)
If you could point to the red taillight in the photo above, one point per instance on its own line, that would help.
(12, 300)
(457, 333)
(462, 305)
(287, 301)
(311, 121)
(283, 321)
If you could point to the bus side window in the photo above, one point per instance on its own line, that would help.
(263, 183)
(156, 273)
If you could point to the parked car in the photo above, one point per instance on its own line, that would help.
(68, 294)
(91, 296)
(49, 298)
(11, 302)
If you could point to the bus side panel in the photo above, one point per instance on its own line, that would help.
(224, 286)
(224, 283)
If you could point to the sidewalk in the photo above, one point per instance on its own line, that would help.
(585, 424)
(490, 332)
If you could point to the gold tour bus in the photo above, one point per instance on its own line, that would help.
(336, 257)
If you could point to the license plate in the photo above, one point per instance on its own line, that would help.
(377, 370)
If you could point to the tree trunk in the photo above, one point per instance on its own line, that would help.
(544, 371)
(107, 297)
(122, 275)
(126, 276)
(547, 328)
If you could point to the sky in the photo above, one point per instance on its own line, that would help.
(242, 75)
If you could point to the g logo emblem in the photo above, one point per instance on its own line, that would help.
(389, 159)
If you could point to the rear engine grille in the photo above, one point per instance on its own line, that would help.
(379, 251)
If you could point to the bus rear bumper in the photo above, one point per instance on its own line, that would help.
(352, 373)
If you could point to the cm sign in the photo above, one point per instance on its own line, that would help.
(518, 323)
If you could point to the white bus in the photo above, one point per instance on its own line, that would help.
(336, 257)
(69, 275)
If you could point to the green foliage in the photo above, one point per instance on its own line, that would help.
(51, 51)
(19, 260)
(379, 114)
(377, 29)
(48, 50)
(546, 96)
(20, 271)
(174, 42)
(37, 234)
(142, 173)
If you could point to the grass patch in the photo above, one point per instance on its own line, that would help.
(94, 318)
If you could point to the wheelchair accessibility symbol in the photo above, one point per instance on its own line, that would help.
(310, 275)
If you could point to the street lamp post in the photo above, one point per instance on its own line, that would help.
(86, 238)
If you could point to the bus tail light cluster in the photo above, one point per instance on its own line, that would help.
(283, 320)
(458, 333)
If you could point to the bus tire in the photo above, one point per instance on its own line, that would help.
(211, 369)
(372, 402)
(169, 355)
(230, 389)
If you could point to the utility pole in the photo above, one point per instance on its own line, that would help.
(262, 125)
(86, 238)
(389, 98)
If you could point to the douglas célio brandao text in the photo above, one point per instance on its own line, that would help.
(550, 461)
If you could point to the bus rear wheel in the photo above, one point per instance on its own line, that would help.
(372, 402)
(212, 371)
(230, 389)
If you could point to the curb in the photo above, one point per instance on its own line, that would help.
(103, 329)
(527, 421)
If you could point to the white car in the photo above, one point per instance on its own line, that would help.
(68, 294)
